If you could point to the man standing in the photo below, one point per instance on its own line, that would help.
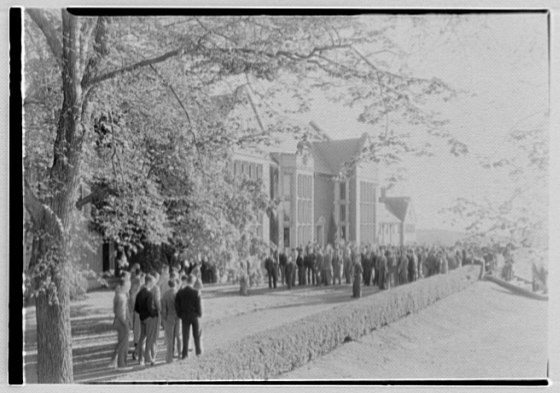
(366, 265)
(381, 262)
(290, 271)
(337, 263)
(357, 284)
(271, 270)
(294, 267)
(171, 322)
(402, 267)
(347, 265)
(146, 308)
(283, 260)
(391, 268)
(136, 283)
(153, 335)
(309, 263)
(319, 262)
(164, 279)
(300, 266)
(120, 323)
(189, 308)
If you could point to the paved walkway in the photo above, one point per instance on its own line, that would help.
(227, 316)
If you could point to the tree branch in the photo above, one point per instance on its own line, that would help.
(287, 54)
(132, 67)
(100, 50)
(101, 193)
(48, 30)
(191, 127)
(210, 31)
(253, 104)
(380, 87)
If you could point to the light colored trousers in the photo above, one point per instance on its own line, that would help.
(121, 348)
(172, 327)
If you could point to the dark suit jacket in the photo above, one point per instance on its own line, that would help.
(145, 304)
(283, 259)
(187, 303)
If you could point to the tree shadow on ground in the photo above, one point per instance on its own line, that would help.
(518, 294)
(322, 298)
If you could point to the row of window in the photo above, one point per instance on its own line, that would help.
(304, 234)
(388, 234)
(305, 186)
(367, 212)
(251, 169)
(343, 216)
(304, 211)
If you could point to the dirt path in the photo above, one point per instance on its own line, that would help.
(226, 317)
(482, 332)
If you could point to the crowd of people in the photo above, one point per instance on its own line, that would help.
(382, 266)
(170, 299)
(148, 302)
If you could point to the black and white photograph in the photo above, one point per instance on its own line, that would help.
(288, 195)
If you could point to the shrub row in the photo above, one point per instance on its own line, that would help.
(279, 350)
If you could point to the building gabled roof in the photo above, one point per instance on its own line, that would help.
(385, 215)
(398, 206)
(331, 155)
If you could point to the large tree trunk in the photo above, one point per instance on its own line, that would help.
(50, 255)
(54, 340)
(84, 44)
(49, 262)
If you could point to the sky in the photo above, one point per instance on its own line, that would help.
(500, 63)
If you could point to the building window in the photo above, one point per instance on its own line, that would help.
(273, 182)
(367, 212)
(286, 237)
(252, 171)
(342, 205)
(304, 206)
(287, 185)
(287, 207)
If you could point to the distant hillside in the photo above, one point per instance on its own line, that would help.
(438, 236)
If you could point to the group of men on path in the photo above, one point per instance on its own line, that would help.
(139, 305)
(383, 266)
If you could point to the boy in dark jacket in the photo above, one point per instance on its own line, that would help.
(145, 306)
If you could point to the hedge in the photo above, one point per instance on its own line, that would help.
(270, 353)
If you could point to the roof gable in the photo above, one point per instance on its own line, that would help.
(331, 155)
(398, 206)
(386, 216)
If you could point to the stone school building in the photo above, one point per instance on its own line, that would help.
(317, 204)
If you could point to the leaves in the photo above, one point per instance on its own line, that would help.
(171, 98)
